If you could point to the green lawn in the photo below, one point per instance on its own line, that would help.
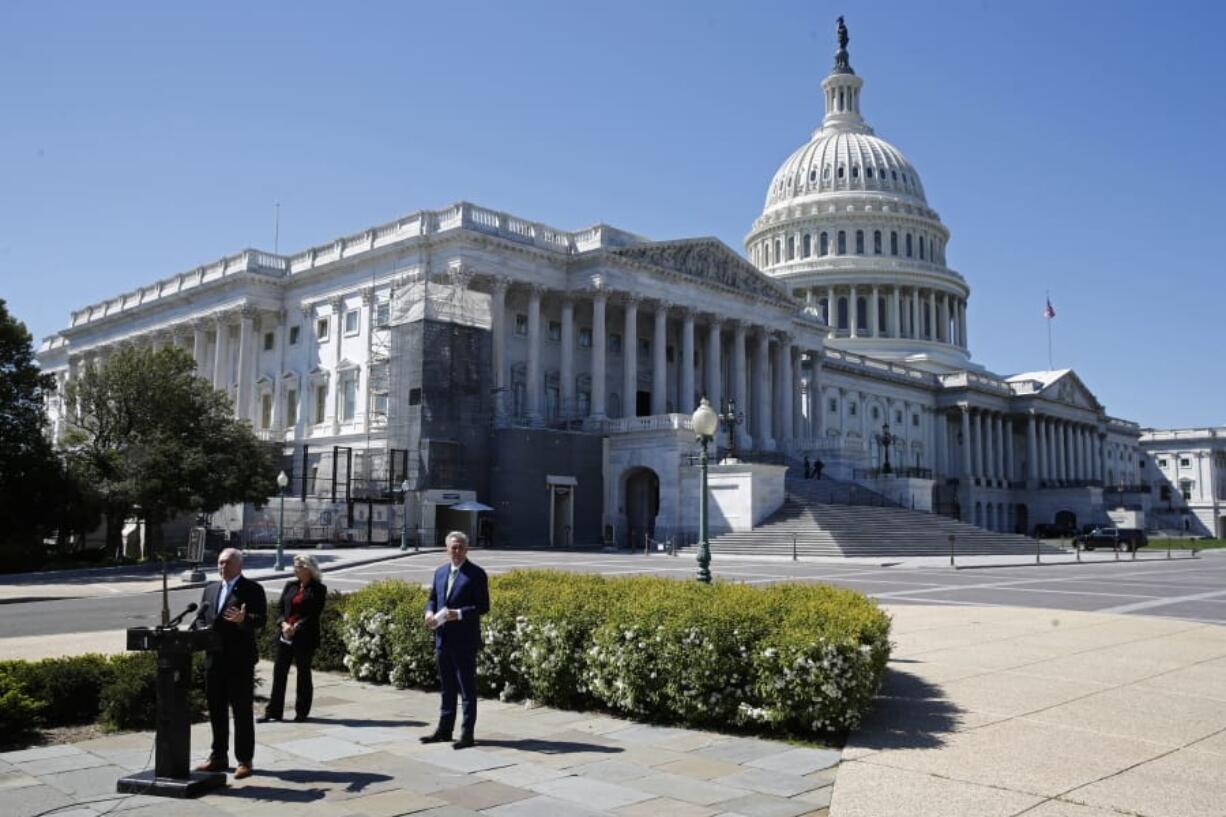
(1184, 544)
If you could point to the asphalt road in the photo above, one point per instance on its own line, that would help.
(1187, 589)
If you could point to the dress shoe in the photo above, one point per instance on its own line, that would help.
(267, 719)
(242, 771)
(464, 742)
(213, 765)
(301, 719)
(437, 737)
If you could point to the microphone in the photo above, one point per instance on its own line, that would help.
(174, 622)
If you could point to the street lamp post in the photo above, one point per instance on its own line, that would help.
(404, 520)
(705, 423)
(282, 483)
(885, 439)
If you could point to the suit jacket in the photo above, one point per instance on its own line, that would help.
(234, 641)
(313, 597)
(470, 594)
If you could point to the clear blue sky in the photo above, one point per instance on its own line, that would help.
(1070, 147)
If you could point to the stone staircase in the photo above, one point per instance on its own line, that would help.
(835, 518)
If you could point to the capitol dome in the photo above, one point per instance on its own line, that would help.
(847, 228)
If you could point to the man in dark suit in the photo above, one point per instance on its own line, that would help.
(235, 608)
(459, 596)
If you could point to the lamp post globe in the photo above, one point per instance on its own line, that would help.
(404, 521)
(282, 483)
(705, 422)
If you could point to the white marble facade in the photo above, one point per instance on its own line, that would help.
(844, 319)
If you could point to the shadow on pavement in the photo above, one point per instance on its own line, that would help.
(352, 781)
(273, 793)
(909, 713)
(358, 723)
(549, 747)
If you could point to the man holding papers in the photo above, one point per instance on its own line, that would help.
(459, 596)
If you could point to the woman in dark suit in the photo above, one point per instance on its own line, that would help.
(302, 603)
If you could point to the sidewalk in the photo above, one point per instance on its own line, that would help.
(1003, 711)
(146, 578)
(360, 756)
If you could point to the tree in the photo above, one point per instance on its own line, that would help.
(154, 440)
(31, 475)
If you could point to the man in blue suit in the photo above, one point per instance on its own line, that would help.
(459, 596)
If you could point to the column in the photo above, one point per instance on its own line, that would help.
(305, 386)
(946, 318)
(685, 403)
(630, 357)
(199, 342)
(998, 447)
(714, 361)
(566, 368)
(1101, 456)
(967, 467)
(872, 314)
(334, 382)
(599, 341)
(977, 443)
(498, 338)
(762, 391)
(1032, 452)
(785, 370)
(988, 449)
(1010, 465)
(246, 329)
(1053, 451)
(277, 421)
(895, 315)
(962, 323)
(814, 395)
(932, 315)
(915, 322)
(532, 383)
(832, 312)
(1061, 471)
(797, 430)
(940, 444)
(221, 354)
(740, 384)
(659, 360)
(852, 324)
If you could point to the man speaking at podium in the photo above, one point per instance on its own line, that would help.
(235, 608)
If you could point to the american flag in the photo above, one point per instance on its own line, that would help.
(1049, 311)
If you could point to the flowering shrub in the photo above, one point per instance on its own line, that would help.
(795, 659)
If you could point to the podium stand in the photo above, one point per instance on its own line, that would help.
(172, 775)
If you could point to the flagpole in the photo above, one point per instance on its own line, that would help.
(1050, 365)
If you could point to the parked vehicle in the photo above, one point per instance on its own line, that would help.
(1126, 539)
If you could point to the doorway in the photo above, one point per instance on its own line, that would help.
(561, 516)
(642, 504)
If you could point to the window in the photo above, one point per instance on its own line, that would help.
(351, 322)
(791, 247)
(1161, 463)
(382, 313)
(915, 420)
(842, 242)
(669, 354)
(379, 405)
(861, 313)
(583, 403)
(321, 328)
(807, 245)
(270, 340)
(1164, 493)
(644, 347)
(851, 408)
(778, 251)
(293, 336)
(898, 418)
(415, 397)
(840, 171)
(615, 344)
(321, 403)
(521, 324)
(826, 172)
(555, 331)
(823, 244)
(1185, 462)
(349, 397)
(1185, 488)
(585, 337)
(893, 243)
(876, 242)
(291, 408)
(894, 175)
(868, 171)
(859, 242)
(855, 171)
(834, 404)
(876, 414)
(266, 410)
(908, 245)
(921, 243)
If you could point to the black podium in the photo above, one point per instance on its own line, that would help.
(172, 775)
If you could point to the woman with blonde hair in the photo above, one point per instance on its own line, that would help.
(302, 603)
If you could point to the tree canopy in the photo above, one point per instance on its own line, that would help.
(153, 439)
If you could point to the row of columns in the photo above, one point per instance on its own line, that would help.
(777, 413)
(906, 312)
(1064, 452)
(987, 451)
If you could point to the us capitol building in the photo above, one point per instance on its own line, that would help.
(463, 357)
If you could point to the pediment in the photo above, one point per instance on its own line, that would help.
(708, 261)
(1069, 389)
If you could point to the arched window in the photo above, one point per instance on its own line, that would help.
(868, 171)
(894, 175)
(841, 169)
(861, 313)
(842, 242)
(807, 245)
(823, 244)
(840, 100)
(908, 245)
(921, 243)
(842, 313)
(893, 242)
(826, 172)
(859, 242)
(855, 171)
(779, 249)
(876, 242)
(812, 175)
(792, 247)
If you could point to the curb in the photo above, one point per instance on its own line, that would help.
(285, 574)
(1081, 564)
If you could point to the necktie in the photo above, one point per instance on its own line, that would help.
(450, 582)
(226, 587)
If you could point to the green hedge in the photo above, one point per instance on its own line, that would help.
(786, 659)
